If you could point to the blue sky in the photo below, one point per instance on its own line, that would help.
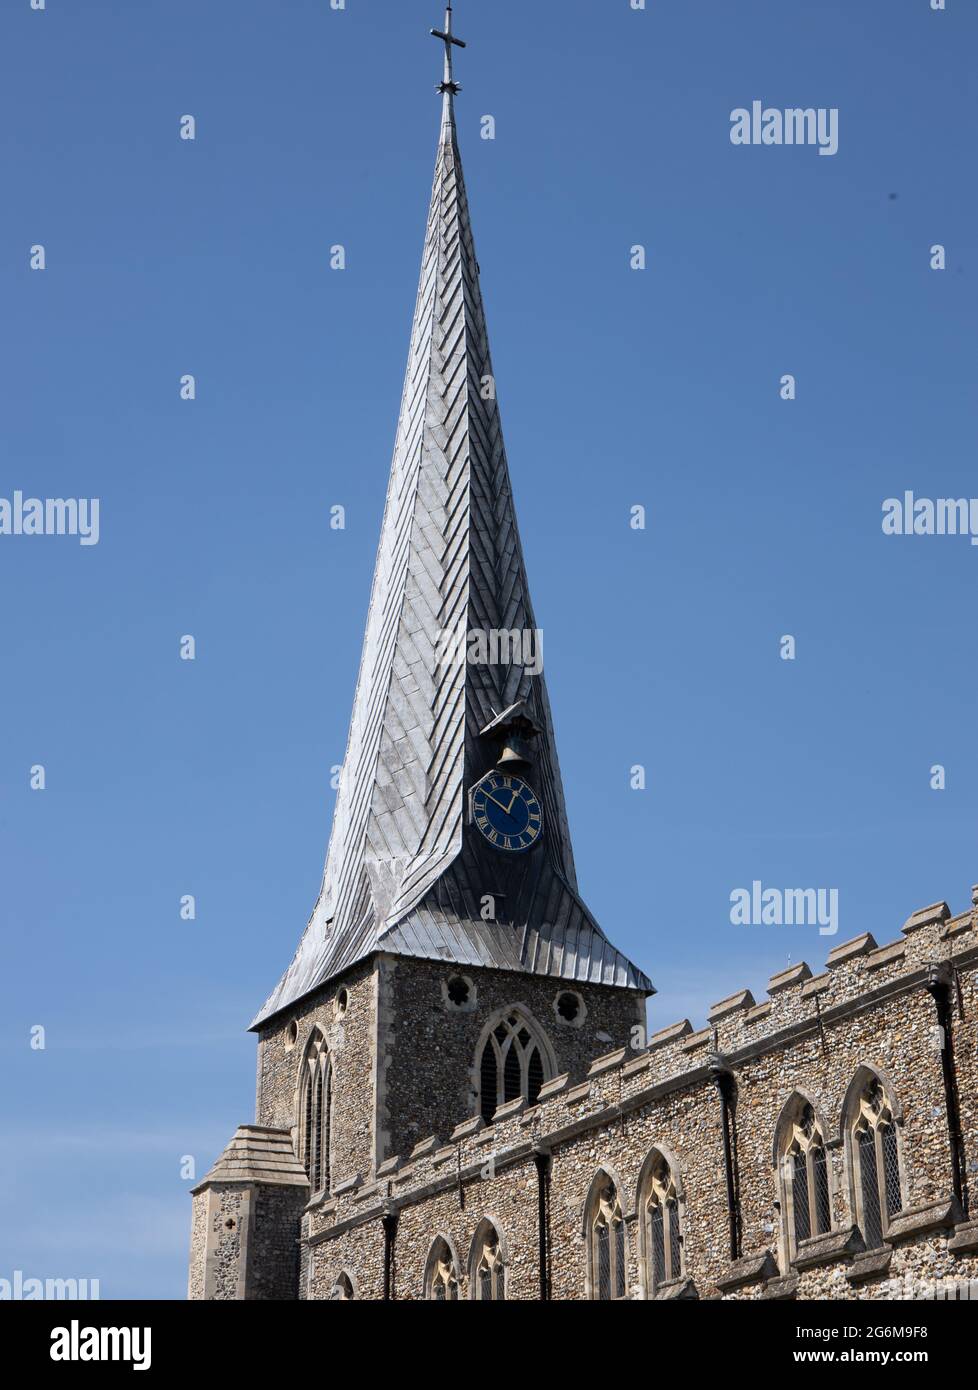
(617, 388)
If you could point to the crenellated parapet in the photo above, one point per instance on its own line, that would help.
(812, 1032)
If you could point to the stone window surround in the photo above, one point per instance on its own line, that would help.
(538, 1035)
(605, 1178)
(658, 1154)
(578, 1020)
(783, 1135)
(470, 1004)
(865, 1075)
(488, 1224)
(344, 1276)
(315, 1054)
(437, 1266)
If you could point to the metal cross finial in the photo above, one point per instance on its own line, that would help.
(448, 84)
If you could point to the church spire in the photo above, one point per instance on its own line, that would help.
(445, 693)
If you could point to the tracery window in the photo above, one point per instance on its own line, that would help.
(314, 1112)
(663, 1232)
(875, 1162)
(441, 1283)
(486, 1270)
(606, 1243)
(512, 1063)
(805, 1174)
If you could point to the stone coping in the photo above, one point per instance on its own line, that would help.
(886, 955)
(609, 1061)
(858, 946)
(743, 999)
(793, 975)
(468, 1127)
(926, 917)
(674, 1033)
(554, 1086)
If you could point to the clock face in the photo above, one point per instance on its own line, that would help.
(507, 812)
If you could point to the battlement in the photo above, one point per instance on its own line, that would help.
(858, 975)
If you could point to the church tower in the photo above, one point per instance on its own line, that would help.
(450, 966)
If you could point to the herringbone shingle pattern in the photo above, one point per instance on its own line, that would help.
(403, 873)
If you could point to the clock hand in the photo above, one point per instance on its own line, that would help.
(495, 802)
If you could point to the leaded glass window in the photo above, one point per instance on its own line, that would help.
(442, 1274)
(663, 1237)
(512, 1065)
(488, 1277)
(876, 1159)
(607, 1245)
(314, 1112)
(806, 1179)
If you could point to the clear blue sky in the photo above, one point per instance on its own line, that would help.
(617, 387)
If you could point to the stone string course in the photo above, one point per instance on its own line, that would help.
(869, 1007)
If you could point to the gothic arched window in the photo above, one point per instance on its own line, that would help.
(342, 1290)
(441, 1277)
(513, 1062)
(659, 1208)
(875, 1161)
(805, 1194)
(486, 1268)
(315, 1087)
(605, 1241)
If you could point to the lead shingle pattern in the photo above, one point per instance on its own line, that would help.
(403, 873)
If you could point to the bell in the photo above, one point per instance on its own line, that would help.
(514, 749)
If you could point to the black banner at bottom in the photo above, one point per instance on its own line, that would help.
(174, 1338)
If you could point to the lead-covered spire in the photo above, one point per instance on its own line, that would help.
(439, 692)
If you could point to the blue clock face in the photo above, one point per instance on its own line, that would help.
(507, 813)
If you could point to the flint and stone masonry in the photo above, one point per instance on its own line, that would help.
(873, 1009)
(456, 1094)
